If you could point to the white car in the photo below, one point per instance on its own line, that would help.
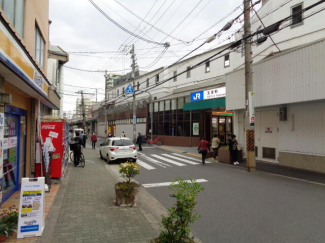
(115, 148)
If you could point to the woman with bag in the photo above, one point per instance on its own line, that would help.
(204, 147)
(93, 140)
(215, 145)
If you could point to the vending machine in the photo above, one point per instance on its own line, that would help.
(55, 138)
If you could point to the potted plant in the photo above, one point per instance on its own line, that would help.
(8, 222)
(176, 225)
(126, 190)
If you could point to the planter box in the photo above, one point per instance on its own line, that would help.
(125, 197)
(225, 157)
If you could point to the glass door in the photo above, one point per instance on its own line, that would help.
(10, 155)
(222, 129)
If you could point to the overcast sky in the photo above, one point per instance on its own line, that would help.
(80, 27)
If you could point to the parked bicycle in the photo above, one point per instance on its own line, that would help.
(156, 141)
(82, 161)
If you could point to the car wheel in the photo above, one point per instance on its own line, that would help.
(101, 156)
(134, 160)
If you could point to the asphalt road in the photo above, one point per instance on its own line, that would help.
(237, 206)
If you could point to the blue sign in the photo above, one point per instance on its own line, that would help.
(129, 89)
(196, 96)
(29, 228)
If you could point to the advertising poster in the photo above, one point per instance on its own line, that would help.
(195, 128)
(251, 109)
(31, 208)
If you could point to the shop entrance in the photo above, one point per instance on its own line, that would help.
(222, 125)
(14, 158)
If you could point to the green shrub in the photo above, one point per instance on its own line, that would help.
(176, 225)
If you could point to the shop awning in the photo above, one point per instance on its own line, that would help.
(205, 104)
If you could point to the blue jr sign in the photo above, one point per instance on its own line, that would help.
(196, 96)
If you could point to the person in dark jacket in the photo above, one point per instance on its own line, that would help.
(232, 143)
(205, 147)
(77, 149)
(84, 139)
(139, 141)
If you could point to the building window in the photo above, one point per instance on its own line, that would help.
(207, 67)
(188, 72)
(147, 82)
(157, 78)
(227, 60)
(138, 86)
(175, 76)
(39, 47)
(14, 10)
(296, 14)
(123, 90)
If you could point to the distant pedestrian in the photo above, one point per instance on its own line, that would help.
(232, 143)
(139, 141)
(93, 140)
(77, 149)
(215, 145)
(84, 139)
(204, 147)
(123, 135)
(109, 135)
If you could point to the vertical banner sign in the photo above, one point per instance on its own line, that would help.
(31, 218)
(195, 128)
(2, 118)
(251, 109)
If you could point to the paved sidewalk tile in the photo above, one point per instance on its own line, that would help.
(87, 213)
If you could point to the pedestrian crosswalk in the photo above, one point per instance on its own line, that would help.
(165, 160)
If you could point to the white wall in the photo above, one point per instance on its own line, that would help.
(128, 129)
(101, 129)
(304, 131)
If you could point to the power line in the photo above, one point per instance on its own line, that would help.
(94, 71)
(236, 44)
(121, 27)
(152, 26)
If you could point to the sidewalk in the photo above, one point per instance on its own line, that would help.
(262, 166)
(84, 210)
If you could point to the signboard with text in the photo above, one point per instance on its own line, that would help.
(31, 218)
(209, 94)
(251, 109)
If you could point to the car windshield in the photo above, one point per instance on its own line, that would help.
(122, 142)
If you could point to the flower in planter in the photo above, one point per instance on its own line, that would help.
(129, 170)
(8, 221)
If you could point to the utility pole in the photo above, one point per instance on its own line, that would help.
(249, 94)
(83, 110)
(96, 95)
(105, 102)
(134, 105)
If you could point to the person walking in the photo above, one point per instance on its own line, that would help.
(93, 140)
(84, 139)
(139, 141)
(77, 149)
(232, 143)
(215, 145)
(123, 135)
(204, 147)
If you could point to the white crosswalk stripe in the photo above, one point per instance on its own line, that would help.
(168, 160)
(191, 158)
(183, 160)
(156, 162)
(145, 165)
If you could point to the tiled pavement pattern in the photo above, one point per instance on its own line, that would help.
(84, 209)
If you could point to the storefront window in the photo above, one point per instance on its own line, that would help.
(161, 106)
(180, 103)
(156, 107)
(10, 155)
(173, 105)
